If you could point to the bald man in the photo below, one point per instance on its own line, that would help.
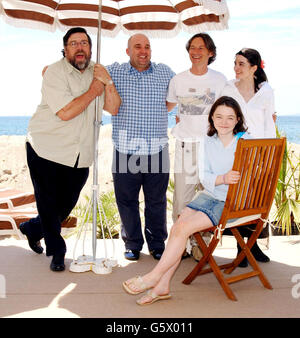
(141, 157)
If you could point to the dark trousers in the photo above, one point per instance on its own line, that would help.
(151, 173)
(56, 188)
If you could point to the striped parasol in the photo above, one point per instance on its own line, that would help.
(156, 18)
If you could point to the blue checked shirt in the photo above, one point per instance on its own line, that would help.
(141, 125)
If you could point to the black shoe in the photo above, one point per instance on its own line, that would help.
(58, 263)
(244, 263)
(132, 255)
(157, 253)
(258, 254)
(34, 245)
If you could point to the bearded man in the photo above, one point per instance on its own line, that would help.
(60, 139)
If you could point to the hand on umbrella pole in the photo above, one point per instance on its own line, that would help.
(97, 87)
(102, 75)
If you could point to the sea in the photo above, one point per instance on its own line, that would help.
(17, 125)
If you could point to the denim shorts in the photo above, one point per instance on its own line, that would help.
(210, 206)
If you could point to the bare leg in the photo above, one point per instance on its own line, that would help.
(188, 223)
(163, 286)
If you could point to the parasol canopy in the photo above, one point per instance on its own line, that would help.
(156, 18)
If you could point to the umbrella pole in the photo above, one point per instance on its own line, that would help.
(97, 123)
(87, 263)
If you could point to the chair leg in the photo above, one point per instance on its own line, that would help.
(240, 256)
(253, 261)
(208, 258)
(206, 250)
(17, 231)
(242, 245)
(220, 277)
(246, 251)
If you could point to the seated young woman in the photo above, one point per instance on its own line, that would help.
(226, 126)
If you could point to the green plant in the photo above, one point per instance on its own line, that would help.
(287, 194)
(109, 215)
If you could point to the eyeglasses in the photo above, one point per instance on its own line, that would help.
(74, 44)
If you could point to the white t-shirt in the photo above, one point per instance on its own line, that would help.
(195, 94)
(257, 111)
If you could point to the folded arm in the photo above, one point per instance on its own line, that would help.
(80, 103)
(101, 83)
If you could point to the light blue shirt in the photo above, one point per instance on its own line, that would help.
(215, 160)
(141, 125)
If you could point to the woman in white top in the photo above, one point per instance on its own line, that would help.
(256, 98)
(226, 125)
(252, 91)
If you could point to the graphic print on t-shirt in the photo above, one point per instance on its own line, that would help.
(196, 104)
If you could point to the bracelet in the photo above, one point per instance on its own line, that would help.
(224, 179)
(110, 82)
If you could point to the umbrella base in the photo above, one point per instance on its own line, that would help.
(100, 266)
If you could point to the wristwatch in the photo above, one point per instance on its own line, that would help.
(110, 82)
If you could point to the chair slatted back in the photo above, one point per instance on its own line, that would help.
(258, 162)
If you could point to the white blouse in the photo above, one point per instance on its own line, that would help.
(257, 111)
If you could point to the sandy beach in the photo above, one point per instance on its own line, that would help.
(14, 171)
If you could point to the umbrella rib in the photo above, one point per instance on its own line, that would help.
(58, 3)
(170, 2)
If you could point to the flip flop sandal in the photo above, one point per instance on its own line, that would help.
(138, 283)
(153, 297)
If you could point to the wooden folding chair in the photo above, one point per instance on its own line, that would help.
(248, 202)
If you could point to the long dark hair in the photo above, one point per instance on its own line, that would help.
(209, 44)
(254, 59)
(231, 103)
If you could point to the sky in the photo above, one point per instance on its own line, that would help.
(270, 26)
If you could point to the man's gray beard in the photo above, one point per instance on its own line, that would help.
(81, 65)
